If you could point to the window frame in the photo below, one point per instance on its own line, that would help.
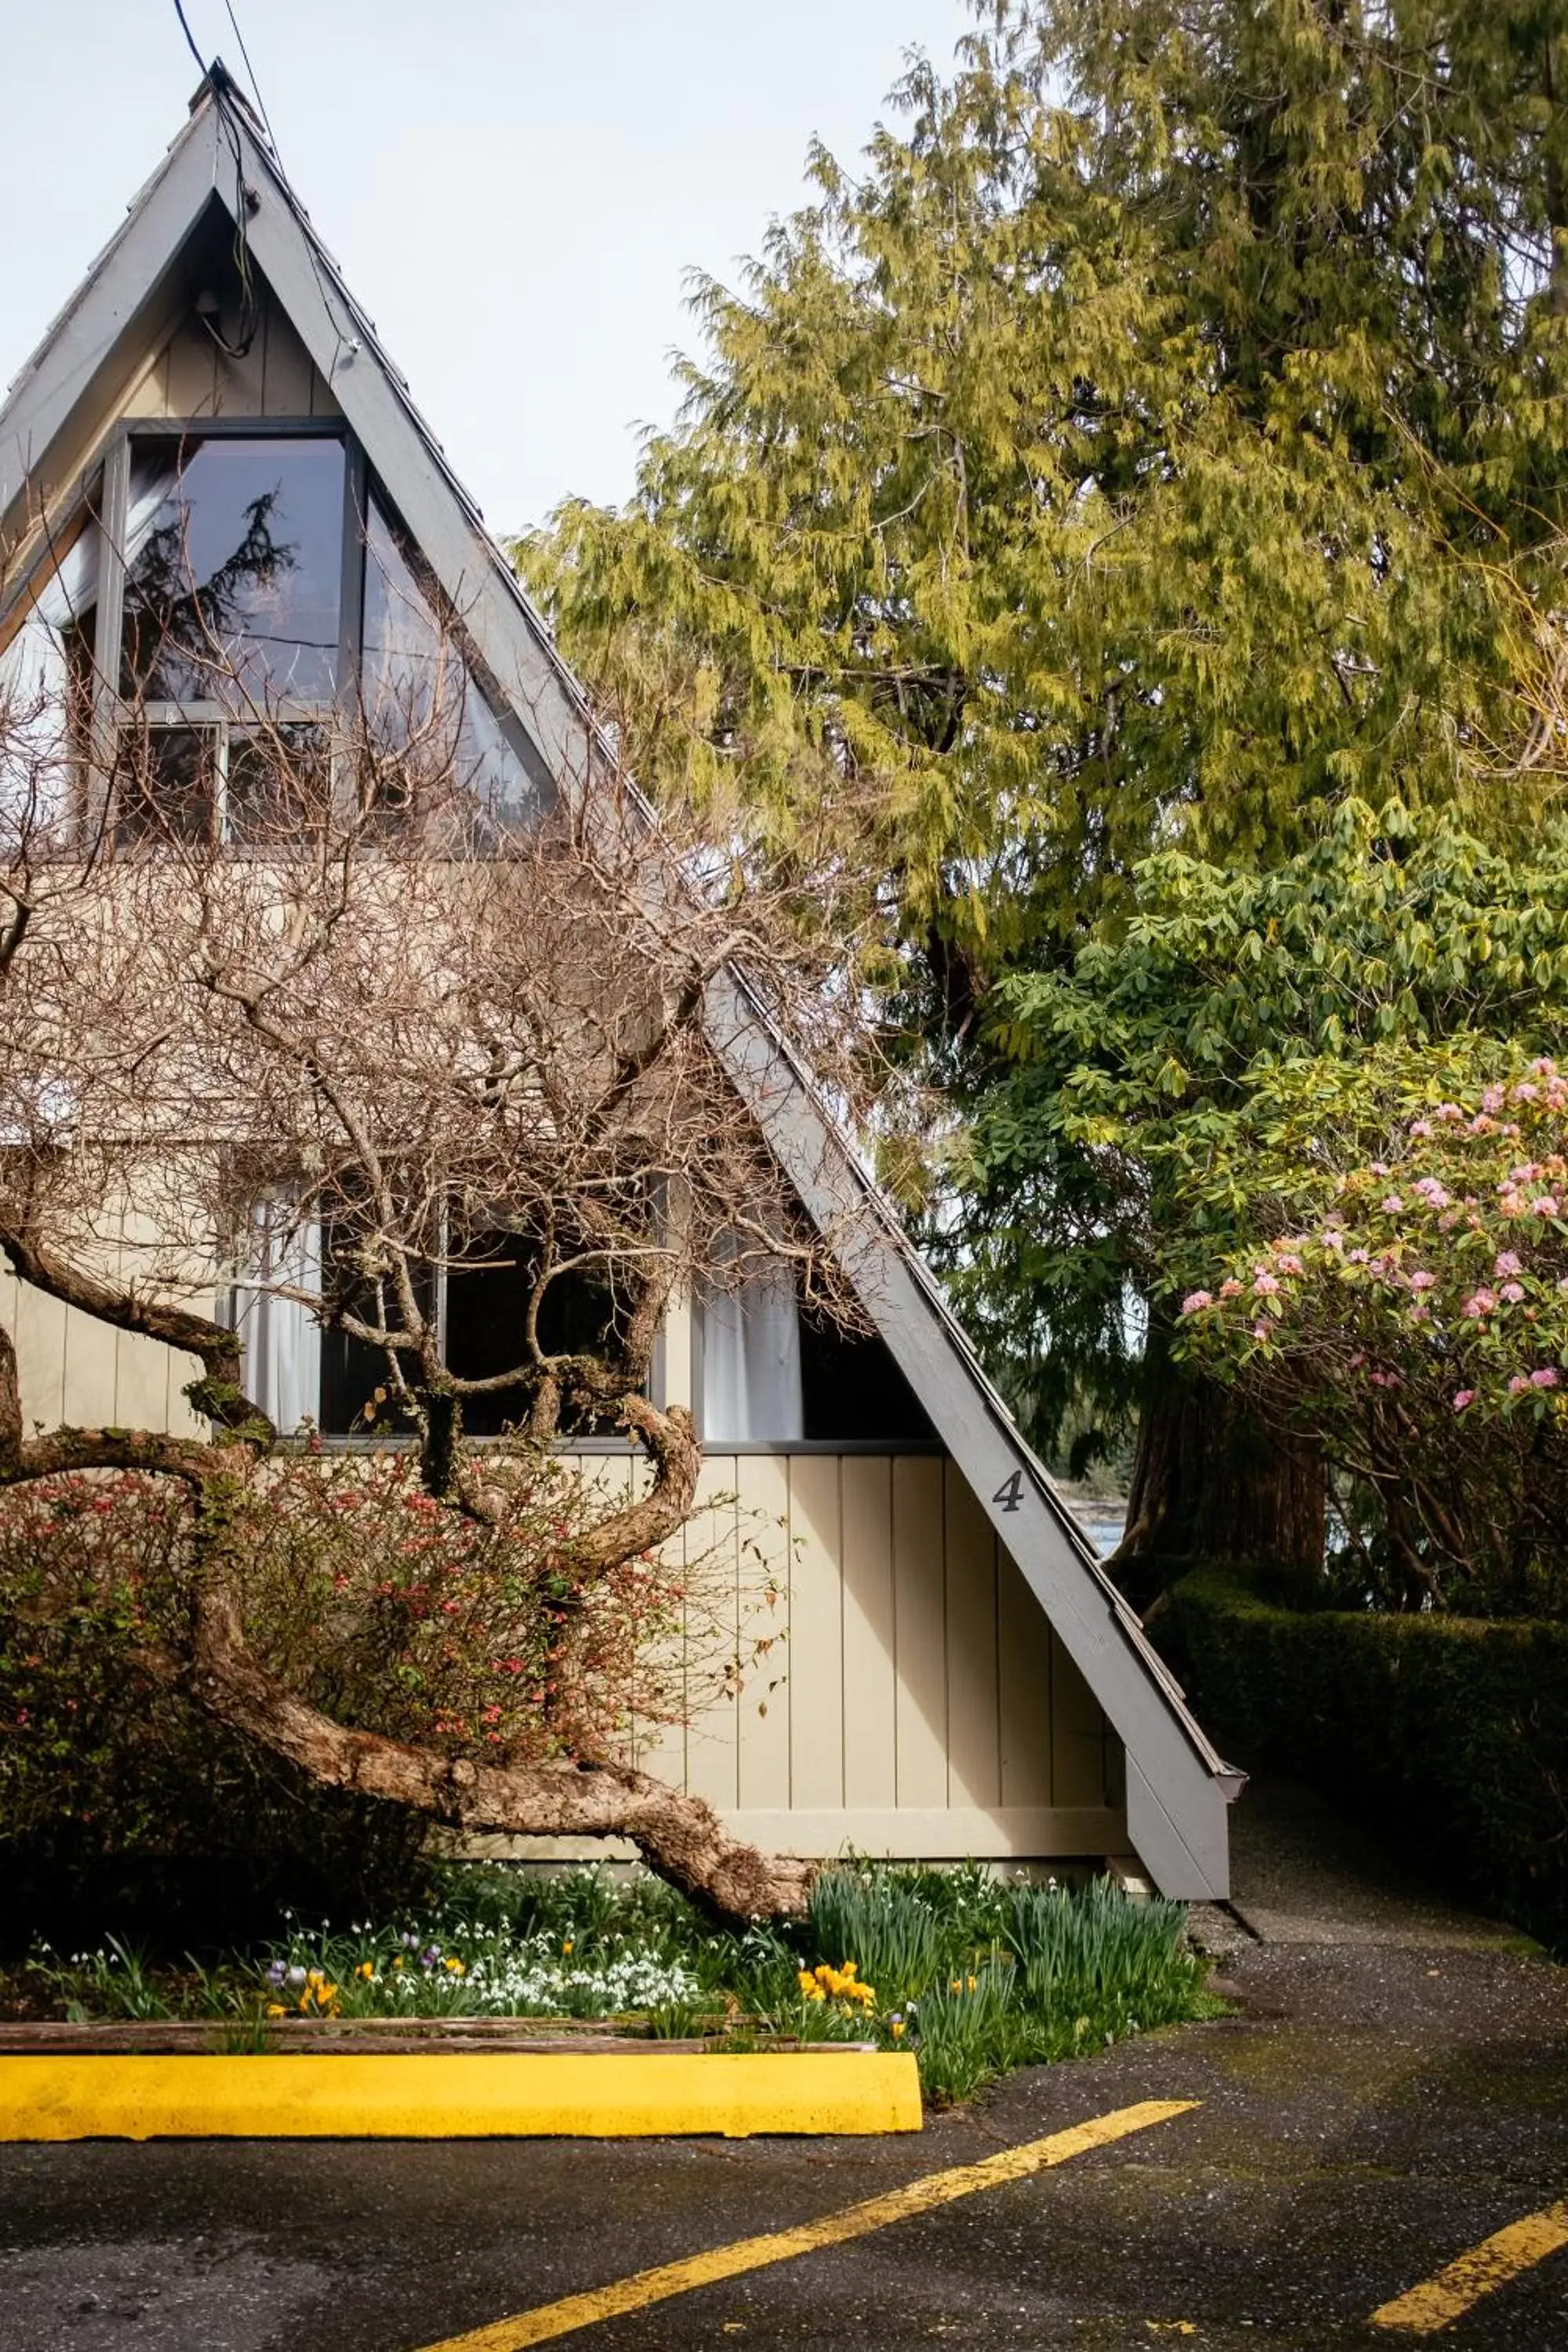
(113, 711)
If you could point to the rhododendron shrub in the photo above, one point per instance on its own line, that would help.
(1413, 1316)
(359, 1589)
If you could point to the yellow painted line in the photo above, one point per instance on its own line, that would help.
(554, 2319)
(1444, 2298)
(457, 2095)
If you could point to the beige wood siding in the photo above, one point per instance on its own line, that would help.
(76, 1369)
(190, 377)
(901, 1692)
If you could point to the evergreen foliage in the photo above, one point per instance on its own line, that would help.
(1151, 448)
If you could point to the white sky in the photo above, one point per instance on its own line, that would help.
(513, 188)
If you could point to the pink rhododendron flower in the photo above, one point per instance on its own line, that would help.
(1265, 1285)
(1491, 1100)
(1422, 1280)
(1544, 1207)
(1357, 1257)
(1512, 1292)
(1421, 1130)
(1289, 1263)
(1480, 1302)
(1196, 1301)
(1391, 1204)
(1260, 1331)
(1462, 1397)
(1380, 1167)
(1545, 1378)
(1517, 1385)
(1506, 1261)
(1230, 1287)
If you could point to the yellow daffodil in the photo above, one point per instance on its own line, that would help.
(275, 2009)
(366, 1968)
(454, 1967)
(568, 1949)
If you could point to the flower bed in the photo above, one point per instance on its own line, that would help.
(974, 1974)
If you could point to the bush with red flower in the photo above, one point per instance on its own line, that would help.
(375, 1604)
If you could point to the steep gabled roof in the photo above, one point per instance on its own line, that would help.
(1177, 1786)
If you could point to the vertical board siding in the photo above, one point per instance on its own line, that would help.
(1078, 1736)
(767, 1691)
(818, 1697)
(287, 375)
(871, 1677)
(919, 1630)
(191, 378)
(710, 1548)
(907, 1672)
(1023, 1645)
(973, 1726)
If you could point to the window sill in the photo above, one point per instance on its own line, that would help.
(630, 1446)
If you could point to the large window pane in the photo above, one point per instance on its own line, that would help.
(234, 569)
(417, 690)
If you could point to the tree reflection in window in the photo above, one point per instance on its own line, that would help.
(233, 596)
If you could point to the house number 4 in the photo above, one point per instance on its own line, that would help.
(1010, 1493)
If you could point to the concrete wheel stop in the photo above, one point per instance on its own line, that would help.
(67, 2083)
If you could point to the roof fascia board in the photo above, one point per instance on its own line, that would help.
(1181, 1834)
(87, 339)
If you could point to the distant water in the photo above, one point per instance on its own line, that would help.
(1104, 1526)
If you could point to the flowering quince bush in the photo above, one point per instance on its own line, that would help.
(375, 1605)
(372, 1599)
(1416, 1320)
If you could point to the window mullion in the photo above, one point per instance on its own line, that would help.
(113, 523)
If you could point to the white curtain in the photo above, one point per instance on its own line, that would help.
(751, 1360)
(33, 678)
(282, 1339)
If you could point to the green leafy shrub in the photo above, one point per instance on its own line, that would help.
(1455, 1729)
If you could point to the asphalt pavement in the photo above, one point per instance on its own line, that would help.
(1391, 2088)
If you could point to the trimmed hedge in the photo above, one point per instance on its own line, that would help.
(1455, 1729)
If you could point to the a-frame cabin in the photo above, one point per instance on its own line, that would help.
(960, 1677)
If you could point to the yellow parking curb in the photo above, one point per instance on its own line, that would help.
(452, 2097)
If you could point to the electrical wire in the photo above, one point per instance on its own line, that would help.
(250, 75)
(251, 307)
(190, 38)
